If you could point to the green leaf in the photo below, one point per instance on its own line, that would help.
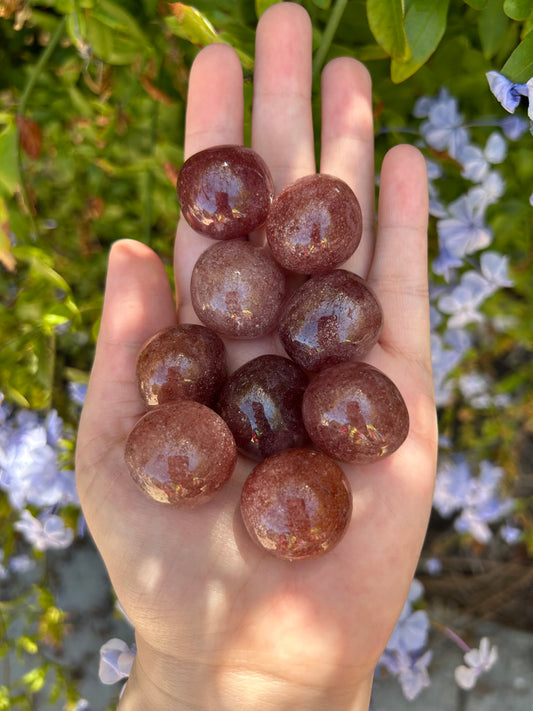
(322, 4)
(34, 680)
(519, 66)
(477, 4)
(518, 10)
(425, 24)
(492, 25)
(385, 18)
(118, 20)
(262, 5)
(9, 167)
(190, 24)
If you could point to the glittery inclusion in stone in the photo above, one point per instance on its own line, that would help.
(314, 224)
(329, 319)
(355, 413)
(237, 289)
(225, 191)
(183, 362)
(261, 402)
(181, 453)
(296, 504)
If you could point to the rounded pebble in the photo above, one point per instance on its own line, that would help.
(183, 362)
(237, 289)
(225, 191)
(181, 453)
(355, 413)
(261, 402)
(314, 224)
(330, 319)
(296, 504)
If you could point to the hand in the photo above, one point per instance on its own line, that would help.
(220, 624)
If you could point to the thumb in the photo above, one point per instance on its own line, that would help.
(138, 302)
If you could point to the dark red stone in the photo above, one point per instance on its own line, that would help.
(225, 191)
(181, 453)
(329, 319)
(184, 362)
(355, 413)
(261, 402)
(314, 224)
(296, 504)
(237, 289)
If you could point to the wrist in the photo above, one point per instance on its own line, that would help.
(171, 685)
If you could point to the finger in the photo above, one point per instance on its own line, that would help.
(214, 116)
(399, 271)
(215, 102)
(348, 143)
(138, 302)
(282, 122)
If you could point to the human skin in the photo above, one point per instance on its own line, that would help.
(219, 623)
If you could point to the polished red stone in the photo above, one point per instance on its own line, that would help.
(329, 319)
(355, 413)
(314, 224)
(225, 191)
(181, 453)
(296, 504)
(237, 289)
(183, 362)
(261, 402)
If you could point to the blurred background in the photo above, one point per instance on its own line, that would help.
(92, 103)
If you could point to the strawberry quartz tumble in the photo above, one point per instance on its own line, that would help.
(314, 224)
(237, 289)
(330, 319)
(261, 402)
(225, 191)
(184, 362)
(296, 504)
(354, 413)
(181, 453)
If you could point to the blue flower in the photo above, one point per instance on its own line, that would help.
(116, 659)
(478, 661)
(29, 466)
(477, 498)
(77, 392)
(465, 299)
(464, 231)
(47, 531)
(476, 161)
(508, 93)
(514, 127)
(443, 130)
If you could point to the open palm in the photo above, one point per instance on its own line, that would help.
(220, 624)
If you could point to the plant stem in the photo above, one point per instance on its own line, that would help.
(328, 35)
(43, 59)
(37, 70)
(452, 635)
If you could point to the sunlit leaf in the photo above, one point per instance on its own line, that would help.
(6, 255)
(425, 24)
(191, 24)
(9, 168)
(385, 18)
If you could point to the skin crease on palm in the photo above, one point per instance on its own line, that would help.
(219, 623)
